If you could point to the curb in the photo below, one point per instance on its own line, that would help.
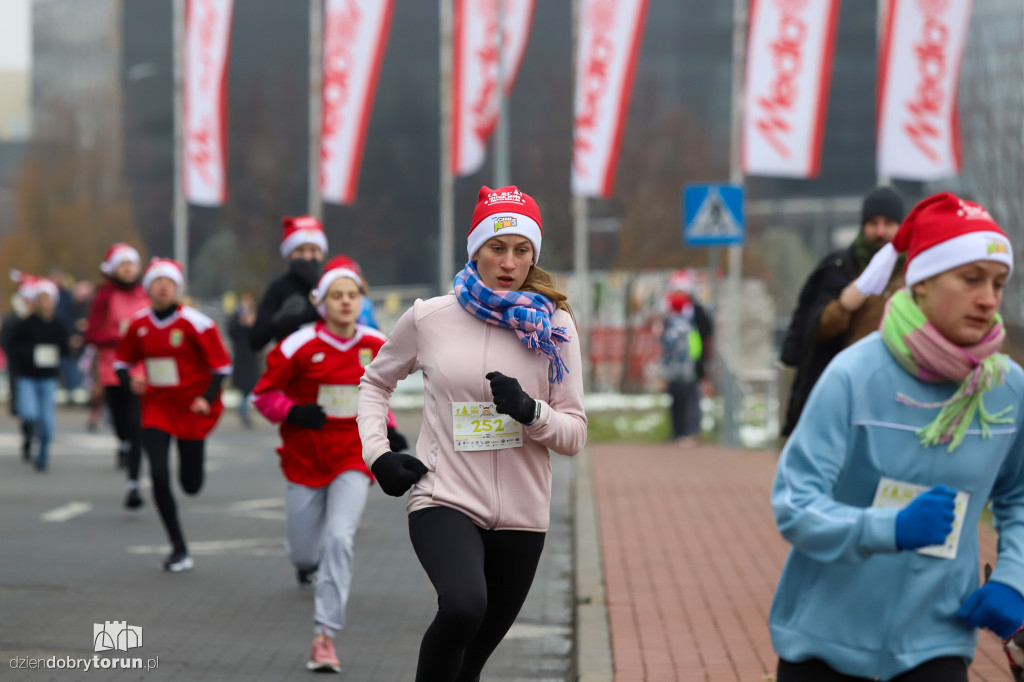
(593, 637)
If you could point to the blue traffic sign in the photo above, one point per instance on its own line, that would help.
(713, 215)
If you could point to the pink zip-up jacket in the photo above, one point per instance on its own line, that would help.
(507, 489)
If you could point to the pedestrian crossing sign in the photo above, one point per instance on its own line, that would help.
(713, 215)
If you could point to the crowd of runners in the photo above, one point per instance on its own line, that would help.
(501, 362)
(897, 448)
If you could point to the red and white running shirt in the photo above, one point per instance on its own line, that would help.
(181, 354)
(315, 366)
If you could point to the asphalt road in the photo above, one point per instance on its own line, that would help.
(71, 558)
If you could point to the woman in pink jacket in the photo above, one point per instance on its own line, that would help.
(502, 385)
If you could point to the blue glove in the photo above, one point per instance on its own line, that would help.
(927, 520)
(995, 606)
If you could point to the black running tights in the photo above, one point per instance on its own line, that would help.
(126, 415)
(190, 472)
(946, 669)
(481, 577)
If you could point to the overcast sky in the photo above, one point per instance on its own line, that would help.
(15, 35)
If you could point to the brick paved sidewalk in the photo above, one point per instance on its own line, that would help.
(691, 557)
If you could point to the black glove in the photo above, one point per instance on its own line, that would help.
(397, 472)
(310, 416)
(510, 398)
(308, 271)
(291, 312)
(396, 441)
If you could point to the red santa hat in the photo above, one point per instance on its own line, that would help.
(501, 212)
(343, 261)
(164, 267)
(118, 253)
(299, 230)
(678, 291)
(30, 286)
(680, 280)
(941, 233)
(337, 268)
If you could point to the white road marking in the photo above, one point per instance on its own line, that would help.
(527, 631)
(68, 511)
(248, 547)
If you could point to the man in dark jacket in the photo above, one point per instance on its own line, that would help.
(246, 367)
(285, 305)
(831, 312)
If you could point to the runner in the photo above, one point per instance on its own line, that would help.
(311, 387)
(186, 362)
(36, 345)
(907, 437)
(367, 315)
(480, 508)
(118, 300)
(19, 311)
(285, 304)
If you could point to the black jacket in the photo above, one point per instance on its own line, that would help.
(246, 361)
(269, 324)
(33, 332)
(800, 349)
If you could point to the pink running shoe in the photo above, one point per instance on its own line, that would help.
(322, 657)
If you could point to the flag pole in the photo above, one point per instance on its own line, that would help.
(501, 159)
(882, 17)
(731, 348)
(446, 243)
(739, 33)
(580, 234)
(180, 207)
(316, 43)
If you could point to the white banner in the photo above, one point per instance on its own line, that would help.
(608, 43)
(355, 37)
(788, 71)
(918, 124)
(475, 72)
(207, 41)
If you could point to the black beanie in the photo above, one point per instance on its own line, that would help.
(882, 201)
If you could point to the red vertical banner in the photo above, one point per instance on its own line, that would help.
(204, 126)
(609, 35)
(919, 75)
(475, 72)
(355, 38)
(788, 74)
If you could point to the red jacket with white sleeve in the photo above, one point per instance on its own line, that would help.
(313, 365)
(181, 354)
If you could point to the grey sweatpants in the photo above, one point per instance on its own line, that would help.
(321, 530)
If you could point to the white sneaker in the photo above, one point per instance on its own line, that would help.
(178, 562)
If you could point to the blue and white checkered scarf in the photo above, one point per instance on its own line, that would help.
(527, 313)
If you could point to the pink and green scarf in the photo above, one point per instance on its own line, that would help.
(929, 356)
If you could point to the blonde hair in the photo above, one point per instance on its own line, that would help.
(540, 281)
